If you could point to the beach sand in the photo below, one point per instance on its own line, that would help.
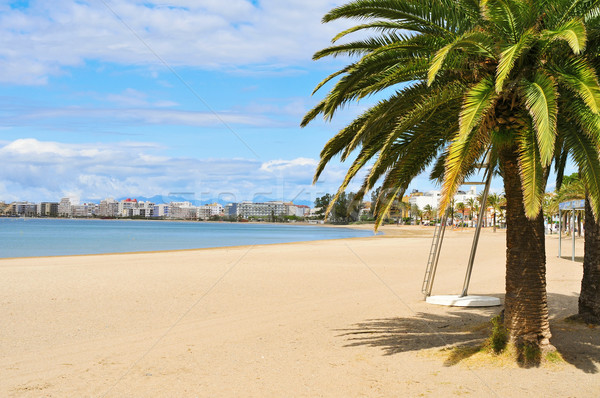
(340, 318)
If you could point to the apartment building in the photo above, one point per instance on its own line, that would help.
(84, 210)
(64, 207)
(132, 208)
(108, 208)
(161, 210)
(205, 212)
(183, 210)
(255, 210)
(48, 209)
(432, 198)
(24, 209)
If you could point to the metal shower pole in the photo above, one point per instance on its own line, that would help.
(477, 232)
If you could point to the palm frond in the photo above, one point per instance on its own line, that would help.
(504, 15)
(579, 77)
(476, 40)
(470, 142)
(573, 32)
(532, 181)
(433, 18)
(541, 99)
(378, 26)
(508, 58)
(478, 101)
(329, 78)
(585, 155)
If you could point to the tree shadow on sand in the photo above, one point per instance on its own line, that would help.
(458, 327)
(465, 330)
(578, 343)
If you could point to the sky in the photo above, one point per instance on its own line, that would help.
(202, 98)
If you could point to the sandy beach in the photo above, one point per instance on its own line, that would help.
(339, 318)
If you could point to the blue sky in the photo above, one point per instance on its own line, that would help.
(137, 98)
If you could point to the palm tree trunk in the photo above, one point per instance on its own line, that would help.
(526, 308)
(589, 299)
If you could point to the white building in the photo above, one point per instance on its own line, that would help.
(84, 210)
(133, 208)
(183, 211)
(205, 212)
(302, 211)
(144, 209)
(161, 210)
(462, 196)
(108, 208)
(126, 207)
(64, 207)
(432, 198)
(254, 210)
(314, 212)
(297, 210)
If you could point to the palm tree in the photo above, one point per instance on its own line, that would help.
(589, 296)
(460, 206)
(471, 205)
(550, 208)
(573, 189)
(415, 212)
(402, 208)
(503, 209)
(503, 80)
(486, 205)
(476, 208)
(428, 211)
(493, 201)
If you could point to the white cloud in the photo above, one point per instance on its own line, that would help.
(40, 170)
(116, 116)
(283, 165)
(43, 39)
(134, 98)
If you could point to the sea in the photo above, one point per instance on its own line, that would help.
(32, 237)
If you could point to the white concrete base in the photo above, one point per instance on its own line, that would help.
(466, 301)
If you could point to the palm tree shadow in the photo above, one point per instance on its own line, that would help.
(578, 343)
(464, 330)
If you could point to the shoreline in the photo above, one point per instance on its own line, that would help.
(385, 231)
(200, 249)
(198, 239)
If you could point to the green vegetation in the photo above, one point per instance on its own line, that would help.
(554, 357)
(499, 335)
(338, 210)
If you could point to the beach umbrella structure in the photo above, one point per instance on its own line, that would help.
(571, 207)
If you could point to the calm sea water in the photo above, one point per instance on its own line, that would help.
(22, 237)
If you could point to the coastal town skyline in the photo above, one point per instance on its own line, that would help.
(178, 207)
